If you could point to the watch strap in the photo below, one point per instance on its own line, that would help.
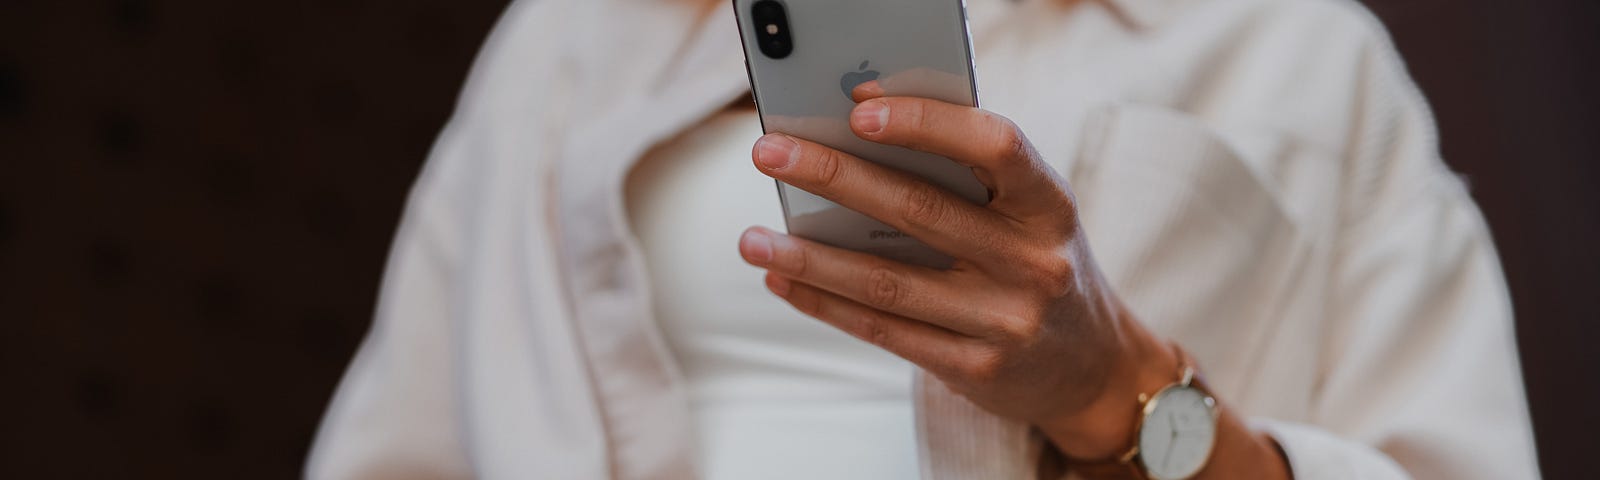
(1108, 470)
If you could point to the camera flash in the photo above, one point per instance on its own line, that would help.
(772, 29)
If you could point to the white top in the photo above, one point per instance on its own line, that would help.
(1258, 179)
(773, 393)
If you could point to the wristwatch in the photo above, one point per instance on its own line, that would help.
(1174, 435)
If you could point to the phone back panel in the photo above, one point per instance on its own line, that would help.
(916, 48)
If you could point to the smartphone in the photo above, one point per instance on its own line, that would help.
(805, 57)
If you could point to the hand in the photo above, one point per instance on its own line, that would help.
(1023, 324)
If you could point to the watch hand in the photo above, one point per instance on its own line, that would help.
(1170, 447)
(1170, 441)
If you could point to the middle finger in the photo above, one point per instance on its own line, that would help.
(928, 213)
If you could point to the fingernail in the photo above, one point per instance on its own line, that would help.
(776, 151)
(778, 285)
(756, 246)
(870, 116)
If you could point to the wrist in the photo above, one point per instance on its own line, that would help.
(1243, 452)
(1105, 428)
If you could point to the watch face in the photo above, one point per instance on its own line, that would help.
(1177, 434)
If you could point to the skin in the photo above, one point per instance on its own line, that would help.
(1024, 324)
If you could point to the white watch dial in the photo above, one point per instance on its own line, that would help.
(1176, 437)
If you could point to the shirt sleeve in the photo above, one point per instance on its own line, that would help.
(395, 414)
(1418, 374)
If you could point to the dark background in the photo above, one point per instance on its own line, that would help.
(196, 198)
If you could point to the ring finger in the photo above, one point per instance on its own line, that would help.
(916, 292)
(935, 349)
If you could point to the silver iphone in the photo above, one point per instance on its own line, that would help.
(804, 58)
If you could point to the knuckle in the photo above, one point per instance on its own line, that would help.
(1053, 272)
(876, 332)
(914, 115)
(806, 301)
(883, 288)
(909, 124)
(921, 206)
(1068, 218)
(826, 172)
(1010, 145)
(985, 366)
(998, 322)
(797, 261)
(1022, 327)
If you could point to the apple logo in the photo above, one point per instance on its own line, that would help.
(848, 82)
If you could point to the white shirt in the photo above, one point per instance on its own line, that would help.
(1259, 180)
(773, 394)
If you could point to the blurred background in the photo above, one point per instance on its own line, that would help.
(197, 197)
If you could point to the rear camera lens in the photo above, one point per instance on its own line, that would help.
(772, 28)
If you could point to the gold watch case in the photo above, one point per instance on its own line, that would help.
(1150, 403)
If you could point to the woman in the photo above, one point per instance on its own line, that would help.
(1258, 178)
